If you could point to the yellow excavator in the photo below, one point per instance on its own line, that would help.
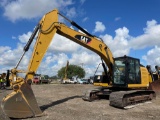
(124, 79)
(66, 79)
(66, 68)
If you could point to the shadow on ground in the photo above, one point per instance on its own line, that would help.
(44, 107)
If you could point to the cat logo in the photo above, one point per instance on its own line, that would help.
(83, 38)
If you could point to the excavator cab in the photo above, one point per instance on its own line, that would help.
(126, 70)
(129, 74)
(126, 73)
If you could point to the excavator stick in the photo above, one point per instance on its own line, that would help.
(21, 103)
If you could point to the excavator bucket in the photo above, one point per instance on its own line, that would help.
(21, 104)
(155, 85)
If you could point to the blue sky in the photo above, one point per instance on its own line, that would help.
(128, 27)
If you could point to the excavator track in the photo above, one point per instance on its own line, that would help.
(123, 99)
(120, 99)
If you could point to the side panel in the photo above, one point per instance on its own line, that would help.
(145, 77)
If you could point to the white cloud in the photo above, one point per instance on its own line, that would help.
(153, 56)
(29, 9)
(62, 44)
(71, 12)
(150, 37)
(8, 56)
(25, 37)
(60, 60)
(3, 49)
(100, 27)
(85, 19)
(118, 44)
(3, 2)
(13, 37)
(151, 23)
(117, 18)
(85, 57)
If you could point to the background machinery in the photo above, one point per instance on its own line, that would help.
(3, 81)
(155, 85)
(126, 80)
(65, 74)
(66, 79)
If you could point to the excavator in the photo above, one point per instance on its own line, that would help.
(125, 78)
(66, 68)
(66, 79)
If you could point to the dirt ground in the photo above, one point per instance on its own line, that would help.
(63, 102)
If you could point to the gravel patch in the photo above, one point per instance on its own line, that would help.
(63, 102)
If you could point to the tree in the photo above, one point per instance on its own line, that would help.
(44, 77)
(73, 70)
(54, 77)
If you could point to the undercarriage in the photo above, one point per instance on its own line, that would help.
(119, 98)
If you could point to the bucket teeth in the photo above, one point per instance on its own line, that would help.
(21, 104)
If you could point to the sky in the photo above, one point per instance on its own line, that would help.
(128, 27)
